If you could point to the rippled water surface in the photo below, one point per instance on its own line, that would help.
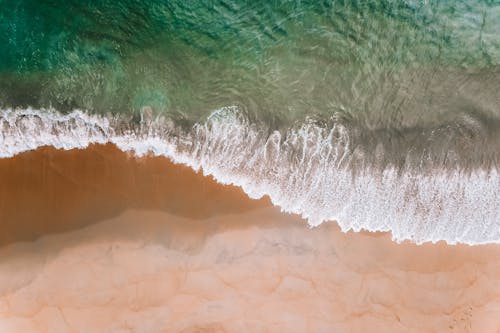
(380, 63)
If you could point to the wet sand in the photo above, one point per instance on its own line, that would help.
(48, 190)
(97, 241)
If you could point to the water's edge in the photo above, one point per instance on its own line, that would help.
(308, 172)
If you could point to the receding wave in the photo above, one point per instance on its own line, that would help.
(428, 185)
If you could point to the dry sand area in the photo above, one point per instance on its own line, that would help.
(95, 240)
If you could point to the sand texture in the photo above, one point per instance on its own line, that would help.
(97, 241)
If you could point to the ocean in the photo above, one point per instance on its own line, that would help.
(378, 115)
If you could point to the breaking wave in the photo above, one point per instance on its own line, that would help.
(322, 171)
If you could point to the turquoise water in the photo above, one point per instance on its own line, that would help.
(380, 62)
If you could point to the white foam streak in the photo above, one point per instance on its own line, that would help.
(301, 172)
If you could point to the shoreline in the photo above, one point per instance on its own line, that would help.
(302, 172)
(109, 180)
(101, 241)
(69, 189)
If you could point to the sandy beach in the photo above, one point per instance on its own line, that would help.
(96, 240)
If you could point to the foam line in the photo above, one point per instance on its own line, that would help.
(306, 171)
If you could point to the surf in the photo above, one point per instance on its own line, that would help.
(310, 170)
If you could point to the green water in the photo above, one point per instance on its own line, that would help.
(380, 63)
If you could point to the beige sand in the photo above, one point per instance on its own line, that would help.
(224, 264)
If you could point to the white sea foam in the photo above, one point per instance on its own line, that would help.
(303, 172)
